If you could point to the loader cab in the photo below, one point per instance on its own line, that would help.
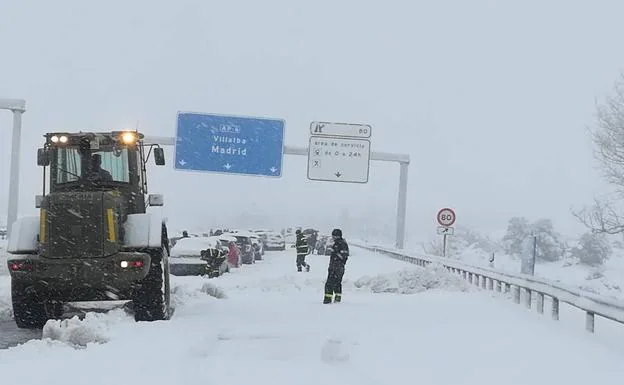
(84, 162)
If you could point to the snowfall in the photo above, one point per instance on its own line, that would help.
(265, 324)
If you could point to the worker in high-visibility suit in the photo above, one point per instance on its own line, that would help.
(301, 244)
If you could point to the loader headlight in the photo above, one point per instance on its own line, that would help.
(59, 139)
(128, 137)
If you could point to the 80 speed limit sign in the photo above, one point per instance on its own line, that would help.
(446, 217)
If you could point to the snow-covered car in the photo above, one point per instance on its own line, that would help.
(275, 241)
(258, 246)
(199, 256)
(324, 245)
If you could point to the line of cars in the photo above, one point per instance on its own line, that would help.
(217, 252)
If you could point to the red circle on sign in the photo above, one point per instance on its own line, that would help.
(446, 217)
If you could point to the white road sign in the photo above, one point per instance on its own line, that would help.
(446, 217)
(446, 230)
(338, 159)
(340, 129)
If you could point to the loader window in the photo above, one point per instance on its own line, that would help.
(70, 167)
(116, 164)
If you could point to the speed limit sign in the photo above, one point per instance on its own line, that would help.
(446, 217)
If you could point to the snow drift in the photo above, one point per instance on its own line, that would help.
(413, 280)
(95, 328)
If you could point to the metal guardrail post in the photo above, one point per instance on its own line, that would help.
(528, 298)
(555, 308)
(540, 303)
(589, 321)
(517, 294)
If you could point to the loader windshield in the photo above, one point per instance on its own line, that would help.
(103, 165)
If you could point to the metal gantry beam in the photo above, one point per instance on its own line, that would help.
(402, 159)
(18, 107)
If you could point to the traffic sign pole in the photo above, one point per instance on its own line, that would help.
(446, 218)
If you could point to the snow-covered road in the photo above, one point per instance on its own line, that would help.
(265, 324)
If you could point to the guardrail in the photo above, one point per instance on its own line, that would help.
(592, 305)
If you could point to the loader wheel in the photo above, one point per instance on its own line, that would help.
(152, 296)
(29, 311)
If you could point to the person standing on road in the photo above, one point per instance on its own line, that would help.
(301, 245)
(335, 272)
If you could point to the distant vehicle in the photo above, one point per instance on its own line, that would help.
(324, 245)
(245, 245)
(199, 256)
(275, 241)
(258, 246)
(263, 237)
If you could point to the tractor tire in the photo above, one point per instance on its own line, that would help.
(29, 311)
(152, 297)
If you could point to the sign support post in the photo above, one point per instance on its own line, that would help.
(18, 107)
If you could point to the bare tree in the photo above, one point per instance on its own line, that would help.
(604, 216)
(601, 217)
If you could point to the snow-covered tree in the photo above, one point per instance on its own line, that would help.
(592, 249)
(549, 245)
(518, 229)
(519, 239)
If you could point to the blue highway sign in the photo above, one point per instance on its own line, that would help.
(229, 144)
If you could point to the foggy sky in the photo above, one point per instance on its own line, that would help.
(491, 99)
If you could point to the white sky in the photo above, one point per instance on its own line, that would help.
(491, 99)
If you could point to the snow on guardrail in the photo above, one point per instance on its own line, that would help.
(490, 279)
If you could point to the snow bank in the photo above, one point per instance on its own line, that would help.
(6, 310)
(413, 280)
(95, 328)
(213, 290)
(187, 290)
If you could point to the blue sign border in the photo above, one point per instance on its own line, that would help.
(281, 161)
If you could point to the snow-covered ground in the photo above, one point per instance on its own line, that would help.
(265, 324)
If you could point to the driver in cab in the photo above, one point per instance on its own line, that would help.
(97, 172)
